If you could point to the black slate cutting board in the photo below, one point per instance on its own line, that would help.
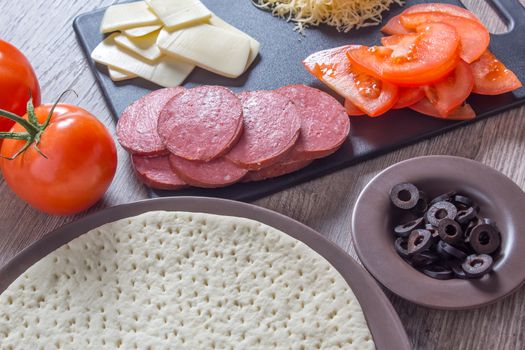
(279, 64)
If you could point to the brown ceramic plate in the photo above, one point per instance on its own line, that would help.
(383, 321)
(499, 198)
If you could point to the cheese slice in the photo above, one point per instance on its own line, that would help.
(176, 14)
(215, 49)
(145, 46)
(124, 16)
(117, 75)
(166, 72)
(254, 44)
(141, 31)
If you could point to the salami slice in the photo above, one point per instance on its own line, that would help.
(156, 172)
(324, 122)
(137, 125)
(271, 128)
(219, 172)
(276, 170)
(202, 123)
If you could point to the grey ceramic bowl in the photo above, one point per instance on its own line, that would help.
(374, 218)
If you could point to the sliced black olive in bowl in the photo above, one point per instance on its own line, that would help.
(477, 265)
(488, 221)
(421, 205)
(424, 259)
(458, 270)
(404, 196)
(419, 241)
(442, 198)
(450, 231)
(401, 245)
(451, 250)
(405, 229)
(485, 239)
(439, 272)
(462, 201)
(466, 215)
(439, 211)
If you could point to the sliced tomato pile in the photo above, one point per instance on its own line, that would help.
(435, 56)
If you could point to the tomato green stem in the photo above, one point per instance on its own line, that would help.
(20, 151)
(33, 128)
(14, 135)
(31, 110)
(46, 123)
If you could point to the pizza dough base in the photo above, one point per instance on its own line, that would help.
(177, 280)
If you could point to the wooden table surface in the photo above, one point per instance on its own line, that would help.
(43, 31)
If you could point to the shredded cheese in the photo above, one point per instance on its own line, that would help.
(345, 15)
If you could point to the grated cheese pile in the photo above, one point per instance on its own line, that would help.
(345, 15)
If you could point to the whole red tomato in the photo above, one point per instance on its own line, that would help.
(76, 165)
(17, 78)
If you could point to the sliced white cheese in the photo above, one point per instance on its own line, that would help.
(166, 72)
(254, 44)
(215, 49)
(177, 14)
(141, 31)
(145, 46)
(117, 75)
(124, 16)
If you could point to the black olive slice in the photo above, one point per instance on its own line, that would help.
(488, 221)
(404, 230)
(439, 211)
(404, 196)
(466, 215)
(477, 265)
(430, 227)
(421, 205)
(442, 252)
(401, 245)
(439, 272)
(452, 251)
(419, 241)
(443, 198)
(462, 201)
(484, 239)
(433, 230)
(469, 229)
(458, 270)
(425, 259)
(450, 231)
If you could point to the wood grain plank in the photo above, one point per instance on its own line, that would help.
(43, 31)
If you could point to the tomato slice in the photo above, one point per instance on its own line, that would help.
(449, 93)
(463, 112)
(394, 26)
(419, 59)
(474, 37)
(491, 77)
(369, 94)
(409, 96)
(402, 40)
(352, 110)
(448, 9)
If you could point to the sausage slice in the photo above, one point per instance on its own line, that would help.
(137, 125)
(215, 173)
(271, 127)
(324, 122)
(202, 123)
(156, 172)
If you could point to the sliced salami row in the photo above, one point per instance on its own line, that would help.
(210, 137)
